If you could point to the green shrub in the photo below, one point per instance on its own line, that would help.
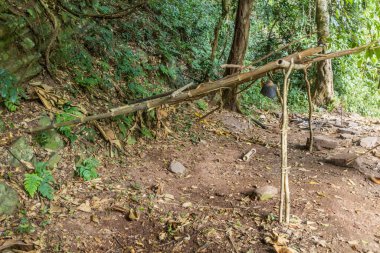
(10, 94)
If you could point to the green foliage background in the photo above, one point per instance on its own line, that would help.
(167, 44)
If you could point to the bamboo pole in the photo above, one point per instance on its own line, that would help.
(200, 90)
(204, 88)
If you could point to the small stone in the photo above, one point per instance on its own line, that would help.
(347, 131)
(187, 204)
(368, 142)
(9, 200)
(344, 160)
(346, 136)
(177, 167)
(324, 142)
(262, 117)
(266, 192)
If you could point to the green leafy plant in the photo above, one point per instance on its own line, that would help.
(69, 113)
(146, 133)
(40, 182)
(124, 123)
(10, 94)
(42, 138)
(25, 226)
(202, 104)
(87, 169)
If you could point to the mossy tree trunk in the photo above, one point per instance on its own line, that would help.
(238, 49)
(324, 87)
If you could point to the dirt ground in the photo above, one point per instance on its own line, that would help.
(138, 205)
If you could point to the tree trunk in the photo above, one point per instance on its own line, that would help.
(218, 27)
(238, 49)
(324, 89)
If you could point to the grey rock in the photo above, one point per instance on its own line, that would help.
(53, 141)
(265, 193)
(353, 124)
(9, 200)
(323, 142)
(368, 142)
(22, 150)
(53, 160)
(347, 136)
(177, 167)
(347, 160)
(348, 131)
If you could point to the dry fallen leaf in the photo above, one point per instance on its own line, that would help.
(283, 249)
(376, 180)
(85, 207)
(133, 214)
(16, 245)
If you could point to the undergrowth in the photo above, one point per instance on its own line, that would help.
(87, 169)
(41, 181)
(10, 93)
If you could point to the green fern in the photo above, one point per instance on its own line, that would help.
(87, 169)
(69, 113)
(31, 183)
(46, 190)
(39, 182)
(146, 133)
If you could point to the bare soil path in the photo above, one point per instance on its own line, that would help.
(138, 205)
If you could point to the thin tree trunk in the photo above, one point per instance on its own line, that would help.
(238, 49)
(324, 90)
(218, 27)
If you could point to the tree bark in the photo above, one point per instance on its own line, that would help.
(324, 87)
(238, 49)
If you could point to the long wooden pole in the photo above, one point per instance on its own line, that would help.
(285, 191)
(204, 88)
(311, 138)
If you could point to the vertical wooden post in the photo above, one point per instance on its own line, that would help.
(311, 138)
(285, 191)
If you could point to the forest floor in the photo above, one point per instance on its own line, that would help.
(138, 205)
